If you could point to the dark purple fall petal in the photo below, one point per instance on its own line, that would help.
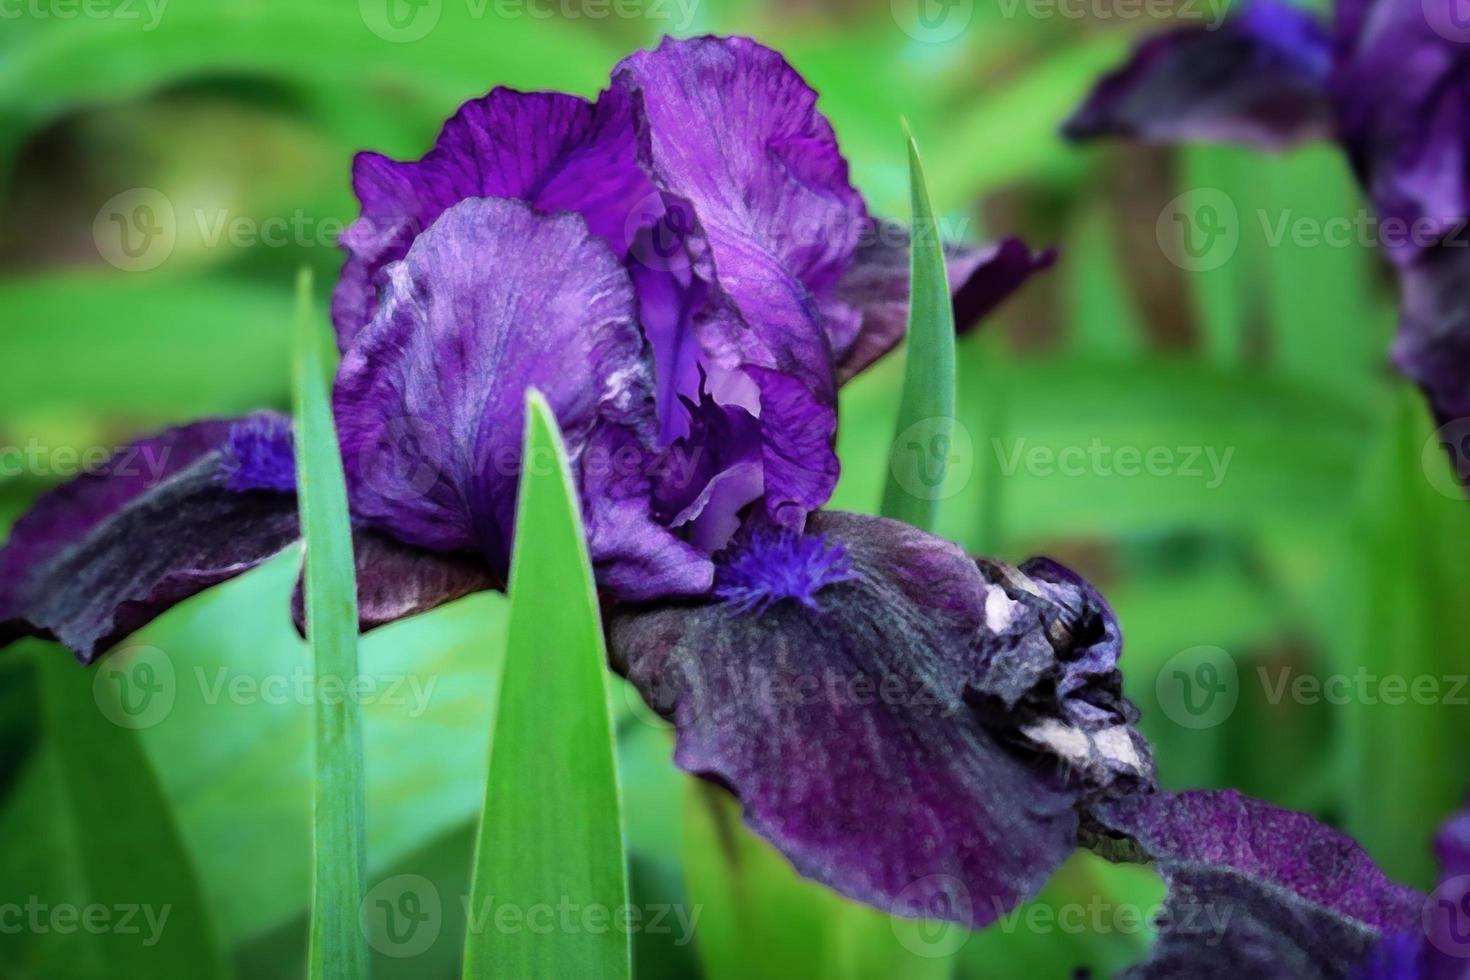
(396, 581)
(101, 556)
(1433, 342)
(1257, 891)
(492, 300)
(1402, 92)
(865, 720)
(731, 137)
(556, 152)
(1259, 78)
(876, 287)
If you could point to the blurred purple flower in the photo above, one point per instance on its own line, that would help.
(1391, 82)
(684, 271)
(1260, 892)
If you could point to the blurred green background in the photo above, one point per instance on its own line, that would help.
(1210, 433)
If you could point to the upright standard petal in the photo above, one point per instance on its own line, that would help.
(892, 715)
(730, 132)
(492, 300)
(876, 289)
(1260, 78)
(1256, 891)
(167, 517)
(556, 152)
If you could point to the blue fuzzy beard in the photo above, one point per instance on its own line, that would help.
(770, 565)
(260, 455)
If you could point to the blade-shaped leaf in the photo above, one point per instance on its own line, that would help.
(130, 854)
(337, 944)
(923, 437)
(550, 891)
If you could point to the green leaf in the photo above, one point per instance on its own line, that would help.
(129, 851)
(551, 836)
(920, 450)
(337, 944)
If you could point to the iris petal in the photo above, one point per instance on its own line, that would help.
(1260, 78)
(101, 556)
(492, 300)
(869, 726)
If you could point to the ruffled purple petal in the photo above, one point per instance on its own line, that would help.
(101, 556)
(396, 581)
(876, 289)
(557, 152)
(492, 300)
(887, 711)
(1260, 78)
(731, 137)
(1402, 91)
(1257, 891)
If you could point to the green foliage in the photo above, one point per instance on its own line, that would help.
(550, 845)
(338, 949)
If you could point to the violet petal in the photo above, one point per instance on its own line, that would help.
(101, 556)
(857, 711)
(876, 287)
(492, 300)
(1259, 78)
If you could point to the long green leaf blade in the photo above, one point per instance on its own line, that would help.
(923, 442)
(551, 838)
(338, 948)
(132, 856)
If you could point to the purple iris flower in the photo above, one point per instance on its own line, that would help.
(685, 272)
(1257, 891)
(1390, 81)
